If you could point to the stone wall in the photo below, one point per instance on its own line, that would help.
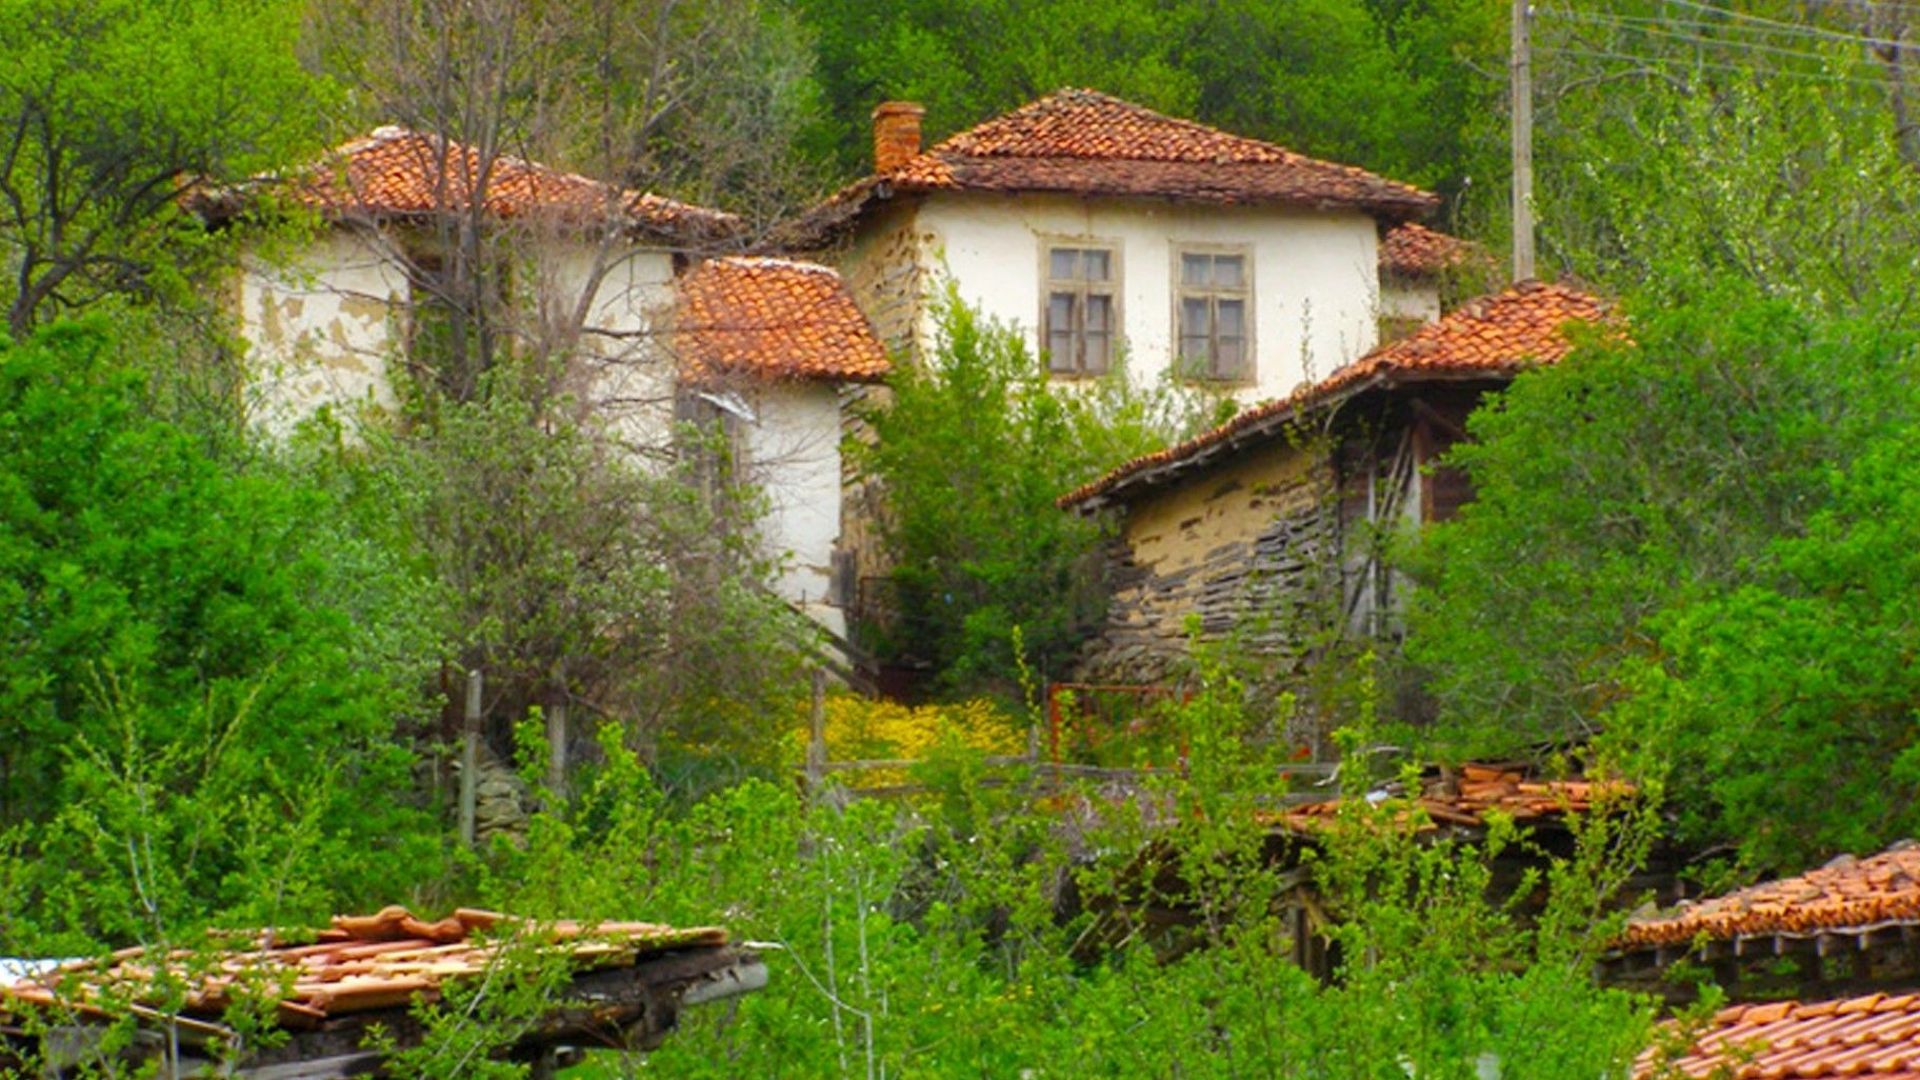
(1245, 548)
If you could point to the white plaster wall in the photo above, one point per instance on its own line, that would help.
(625, 369)
(792, 450)
(1409, 300)
(320, 329)
(1314, 274)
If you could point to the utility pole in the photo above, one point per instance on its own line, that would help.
(1522, 89)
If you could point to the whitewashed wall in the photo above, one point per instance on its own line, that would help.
(1409, 299)
(324, 326)
(792, 450)
(1314, 274)
(321, 328)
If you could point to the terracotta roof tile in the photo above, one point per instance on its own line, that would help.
(396, 172)
(1478, 790)
(1083, 142)
(361, 963)
(1875, 1035)
(1412, 250)
(1846, 895)
(774, 317)
(1490, 337)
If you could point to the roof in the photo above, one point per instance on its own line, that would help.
(1478, 789)
(774, 317)
(1411, 250)
(396, 172)
(361, 963)
(1083, 142)
(1876, 1035)
(1847, 895)
(1491, 337)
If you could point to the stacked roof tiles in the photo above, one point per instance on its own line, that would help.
(1492, 337)
(1847, 895)
(1083, 142)
(1872, 1036)
(1477, 791)
(360, 964)
(774, 318)
(396, 172)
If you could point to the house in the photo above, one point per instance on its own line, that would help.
(773, 347)
(434, 260)
(1107, 230)
(1414, 262)
(1269, 525)
(332, 991)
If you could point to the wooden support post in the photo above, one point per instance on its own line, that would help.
(470, 758)
(557, 750)
(817, 733)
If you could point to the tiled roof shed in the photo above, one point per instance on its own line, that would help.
(1477, 791)
(1492, 337)
(1847, 896)
(1872, 1036)
(397, 173)
(1084, 142)
(369, 969)
(773, 318)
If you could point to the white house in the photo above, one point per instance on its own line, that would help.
(583, 270)
(1106, 229)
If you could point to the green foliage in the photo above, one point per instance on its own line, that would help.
(178, 648)
(1388, 86)
(972, 452)
(1629, 503)
(1680, 150)
(113, 109)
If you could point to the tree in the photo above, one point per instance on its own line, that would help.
(111, 111)
(204, 670)
(1399, 88)
(1627, 498)
(971, 453)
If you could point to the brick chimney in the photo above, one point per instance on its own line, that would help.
(896, 133)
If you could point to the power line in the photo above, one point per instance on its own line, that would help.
(1816, 31)
(1700, 40)
(1752, 70)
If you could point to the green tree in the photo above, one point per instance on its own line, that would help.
(1398, 88)
(112, 111)
(204, 670)
(972, 452)
(1626, 496)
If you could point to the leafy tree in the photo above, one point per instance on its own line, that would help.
(1625, 496)
(972, 452)
(202, 671)
(110, 112)
(1395, 87)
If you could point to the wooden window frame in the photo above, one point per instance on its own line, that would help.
(1245, 292)
(1081, 288)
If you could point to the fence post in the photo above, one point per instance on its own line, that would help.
(470, 757)
(557, 750)
(817, 733)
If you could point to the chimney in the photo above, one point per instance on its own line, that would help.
(896, 134)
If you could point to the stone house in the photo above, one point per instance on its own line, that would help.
(1269, 525)
(655, 317)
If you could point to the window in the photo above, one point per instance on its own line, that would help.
(1082, 314)
(1211, 306)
